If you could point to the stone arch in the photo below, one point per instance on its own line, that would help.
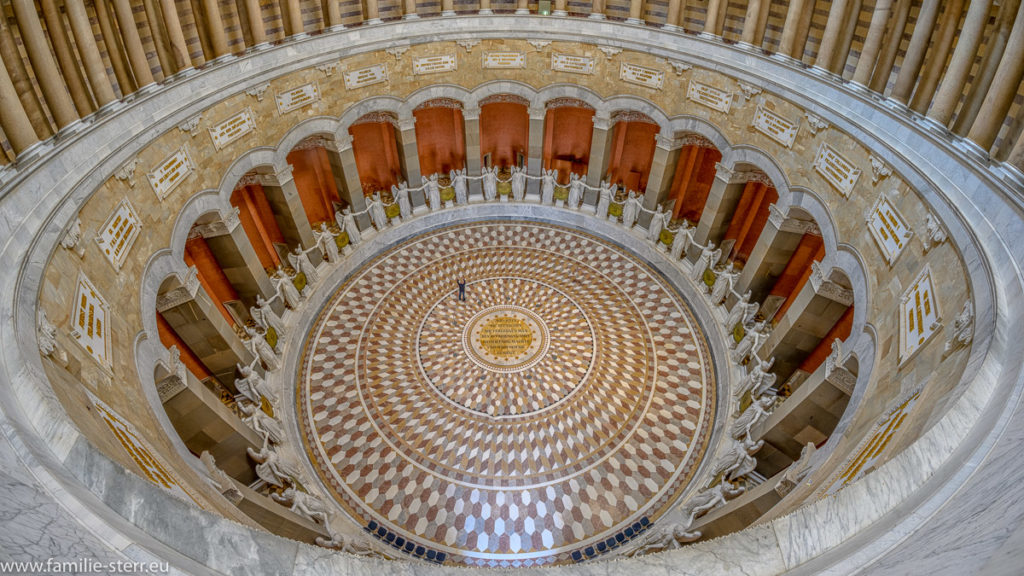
(203, 203)
(252, 160)
(364, 107)
(319, 126)
(694, 125)
(754, 156)
(429, 93)
(637, 104)
(582, 93)
(495, 87)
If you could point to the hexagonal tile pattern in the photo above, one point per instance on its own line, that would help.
(580, 403)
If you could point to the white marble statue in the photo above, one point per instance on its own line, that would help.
(46, 332)
(261, 423)
(681, 241)
(723, 283)
(326, 243)
(271, 467)
(401, 195)
(575, 191)
(797, 471)
(708, 255)
(657, 224)
(347, 222)
(265, 317)
(752, 338)
(667, 538)
(518, 183)
(547, 187)
(220, 480)
(710, 498)
(354, 546)
(756, 413)
(737, 461)
(261, 349)
(377, 214)
(253, 387)
(740, 310)
(433, 192)
(299, 260)
(286, 289)
(757, 381)
(458, 178)
(631, 209)
(490, 176)
(303, 504)
(604, 199)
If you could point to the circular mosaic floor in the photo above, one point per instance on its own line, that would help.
(553, 414)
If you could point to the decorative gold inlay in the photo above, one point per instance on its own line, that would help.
(505, 337)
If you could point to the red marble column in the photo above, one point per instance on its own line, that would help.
(168, 337)
(841, 329)
(797, 270)
(258, 221)
(211, 276)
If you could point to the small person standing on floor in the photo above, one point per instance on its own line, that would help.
(462, 289)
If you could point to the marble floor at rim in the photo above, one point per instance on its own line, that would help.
(564, 405)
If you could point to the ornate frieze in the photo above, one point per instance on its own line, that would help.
(505, 99)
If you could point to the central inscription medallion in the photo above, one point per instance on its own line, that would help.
(505, 338)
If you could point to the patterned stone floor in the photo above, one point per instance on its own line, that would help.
(567, 398)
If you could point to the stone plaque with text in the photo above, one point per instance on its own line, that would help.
(297, 97)
(709, 96)
(504, 60)
(118, 233)
(888, 228)
(839, 172)
(573, 64)
(775, 127)
(171, 172)
(435, 64)
(641, 75)
(366, 76)
(233, 128)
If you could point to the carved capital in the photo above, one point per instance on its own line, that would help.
(258, 91)
(879, 169)
(468, 45)
(680, 66)
(823, 286)
(191, 125)
(815, 123)
(397, 51)
(127, 172)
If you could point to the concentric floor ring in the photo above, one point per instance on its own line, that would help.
(583, 404)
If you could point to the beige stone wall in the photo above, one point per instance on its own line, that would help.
(122, 389)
